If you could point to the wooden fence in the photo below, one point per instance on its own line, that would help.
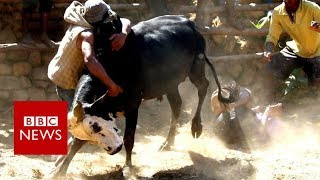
(203, 13)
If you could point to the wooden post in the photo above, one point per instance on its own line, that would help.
(203, 18)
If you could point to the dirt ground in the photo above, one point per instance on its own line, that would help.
(293, 152)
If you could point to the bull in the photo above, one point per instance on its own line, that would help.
(158, 55)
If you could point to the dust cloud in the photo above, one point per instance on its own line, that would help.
(292, 150)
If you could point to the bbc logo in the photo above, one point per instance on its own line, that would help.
(41, 121)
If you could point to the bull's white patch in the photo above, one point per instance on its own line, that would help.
(106, 136)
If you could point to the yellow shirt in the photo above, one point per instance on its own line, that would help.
(306, 42)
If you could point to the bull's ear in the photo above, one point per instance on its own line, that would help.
(78, 111)
(100, 99)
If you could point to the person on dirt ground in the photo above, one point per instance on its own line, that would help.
(300, 19)
(228, 116)
(29, 7)
(76, 49)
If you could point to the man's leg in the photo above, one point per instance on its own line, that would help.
(312, 69)
(28, 7)
(45, 8)
(276, 71)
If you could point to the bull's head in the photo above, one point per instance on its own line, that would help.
(96, 130)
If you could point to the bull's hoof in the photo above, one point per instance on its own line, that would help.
(128, 172)
(166, 146)
(196, 130)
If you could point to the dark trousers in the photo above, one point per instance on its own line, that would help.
(281, 66)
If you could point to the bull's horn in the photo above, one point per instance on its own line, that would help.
(100, 99)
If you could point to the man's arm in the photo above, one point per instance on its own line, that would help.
(119, 39)
(85, 43)
(315, 24)
(268, 48)
(275, 31)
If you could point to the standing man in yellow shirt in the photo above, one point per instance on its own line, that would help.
(76, 49)
(299, 18)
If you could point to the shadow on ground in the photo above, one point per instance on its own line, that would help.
(203, 168)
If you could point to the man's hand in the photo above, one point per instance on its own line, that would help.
(269, 46)
(114, 90)
(314, 25)
(267, 55)
(118, 41)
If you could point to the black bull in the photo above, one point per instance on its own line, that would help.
(158, 55)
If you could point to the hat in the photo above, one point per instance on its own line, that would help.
(95, 10)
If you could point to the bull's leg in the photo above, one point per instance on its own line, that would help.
(62, 168)
(131, 123)
(198, 78)
(62, 157)
(175, 102)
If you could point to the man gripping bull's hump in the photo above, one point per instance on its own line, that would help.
(76, 49)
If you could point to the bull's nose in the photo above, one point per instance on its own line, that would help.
(116, 150)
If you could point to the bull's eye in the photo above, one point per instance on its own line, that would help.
(116, 129)
(96, 128)
(102, 135)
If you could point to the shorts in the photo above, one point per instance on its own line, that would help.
(30, 5)
(283, 63)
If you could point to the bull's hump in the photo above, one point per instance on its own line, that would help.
(160, 22)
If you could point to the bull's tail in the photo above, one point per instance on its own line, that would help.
(233, 92)
(201, 46)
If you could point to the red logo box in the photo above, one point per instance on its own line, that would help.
(40, 127)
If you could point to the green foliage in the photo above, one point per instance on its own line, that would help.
(295, 80)
(262, 21)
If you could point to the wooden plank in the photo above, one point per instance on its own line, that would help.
(115, 7)
(240, 57)
(233, 31)
(25, 47)
(221, 9)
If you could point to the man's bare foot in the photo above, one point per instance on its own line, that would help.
(27, 39)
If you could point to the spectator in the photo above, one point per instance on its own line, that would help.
(300, 19)
(76, 49)
(44, 8)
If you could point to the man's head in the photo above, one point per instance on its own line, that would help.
(291, 5)
(96, 10)
(104, 20)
